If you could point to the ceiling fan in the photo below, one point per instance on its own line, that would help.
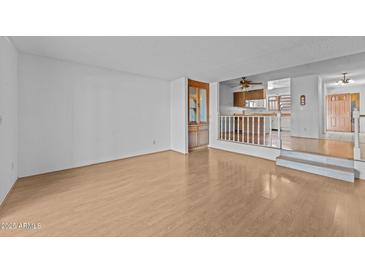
(245, 83)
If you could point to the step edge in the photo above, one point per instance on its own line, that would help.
(314, 163)
(351, 176)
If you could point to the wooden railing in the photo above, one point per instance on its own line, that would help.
(255, 129)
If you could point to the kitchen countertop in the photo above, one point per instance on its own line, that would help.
(260, 114)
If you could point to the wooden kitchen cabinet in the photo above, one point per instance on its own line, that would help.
(255, 94)
(240, 97)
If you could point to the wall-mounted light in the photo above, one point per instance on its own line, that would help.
(302, 100)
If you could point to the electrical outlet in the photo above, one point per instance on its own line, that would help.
(1, 119)
(12, 165)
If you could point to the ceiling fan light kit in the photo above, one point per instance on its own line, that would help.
(245, 84)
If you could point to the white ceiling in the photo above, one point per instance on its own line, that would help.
(201, 58)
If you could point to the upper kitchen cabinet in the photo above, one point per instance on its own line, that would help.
(240, 97)
(255, 94)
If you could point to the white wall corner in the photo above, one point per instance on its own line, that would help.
(179, 115)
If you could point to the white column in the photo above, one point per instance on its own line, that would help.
(357, 152)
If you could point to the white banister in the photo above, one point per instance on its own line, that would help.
(278, 115)
(264, 130)
(238, 129)
(234, 128)
(243, 129)
(220, 127)
(270, 130)
(357, 152)
(225, 127)
(258, 130)
(253, 129)
(248, 130)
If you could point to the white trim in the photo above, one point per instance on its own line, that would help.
(101, 161)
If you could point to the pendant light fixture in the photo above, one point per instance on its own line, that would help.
(344, 80)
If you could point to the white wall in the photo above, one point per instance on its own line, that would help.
(305, 119)
(72, 115)
(179, 115)
(226, 100)
(8, 116)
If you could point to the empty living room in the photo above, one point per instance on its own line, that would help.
(180, 143)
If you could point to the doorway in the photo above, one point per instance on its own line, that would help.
(198, 112)
(339, 111)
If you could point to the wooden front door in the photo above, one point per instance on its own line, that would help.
(198, 109)
(339, 112)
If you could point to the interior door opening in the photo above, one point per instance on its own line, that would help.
(339, 111)
(198, 112)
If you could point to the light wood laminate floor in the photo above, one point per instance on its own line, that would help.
(336, 148)
(206, 193)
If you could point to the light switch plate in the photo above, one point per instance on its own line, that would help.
(1, 119)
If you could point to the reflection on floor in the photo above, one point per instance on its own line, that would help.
(205, 193)
(336, 148)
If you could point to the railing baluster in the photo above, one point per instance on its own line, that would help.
(264, 130)
(242, 129)
(253, 129)
(248, 130)
(221, 128)
(234, 130)
(225, 127)
(238, 128)
(229, 128)
(258, 130)
(270, 129)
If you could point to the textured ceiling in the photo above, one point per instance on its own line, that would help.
(201, 58)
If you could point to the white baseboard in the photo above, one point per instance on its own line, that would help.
(88, 163)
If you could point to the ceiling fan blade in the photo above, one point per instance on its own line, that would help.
(253, 83)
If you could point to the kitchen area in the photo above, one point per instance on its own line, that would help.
(249, 110)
